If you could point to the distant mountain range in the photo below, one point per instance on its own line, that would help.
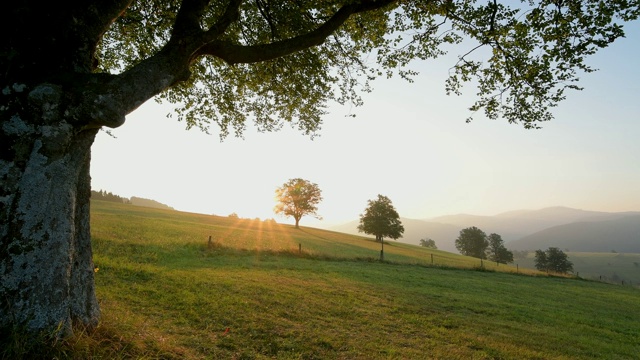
(562, 227)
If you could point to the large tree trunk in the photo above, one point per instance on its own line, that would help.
(46, 266)
(53, 100)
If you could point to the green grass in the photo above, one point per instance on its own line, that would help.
(166, 294)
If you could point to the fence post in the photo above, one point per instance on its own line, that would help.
(431, 259)
(209, 244)
(300, 248)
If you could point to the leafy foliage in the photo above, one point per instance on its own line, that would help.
(522, 56)
(381, 219)
(298, 197)
(428, 243)
(496, 251)
(553, 259)
(472, 242)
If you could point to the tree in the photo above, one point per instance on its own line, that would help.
(428, 243)
(297, 198)
(472, 242)
(71, 70)
(496, 251)
(553, 259)
(381, 219)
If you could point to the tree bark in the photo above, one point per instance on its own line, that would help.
(46, 266)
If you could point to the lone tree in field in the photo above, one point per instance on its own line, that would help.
(69, 69)
(297, 198)
(553, 259)
(428, 243)
(472, 242)
(496, 251)
(381, 219)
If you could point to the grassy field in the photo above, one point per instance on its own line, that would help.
(165, 293)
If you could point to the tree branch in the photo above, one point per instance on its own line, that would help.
(230, 15)
(188, 19)
(167, 67)
(101, 14)
(233, 53)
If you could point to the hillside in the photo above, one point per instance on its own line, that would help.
(578, 230)
(138, 201)
(619, 235)
(443, 234)
(514, 225)
(167, 293)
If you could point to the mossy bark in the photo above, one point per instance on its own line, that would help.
(46, 266)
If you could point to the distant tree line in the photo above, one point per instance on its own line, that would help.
(137, 201)
(108, 196)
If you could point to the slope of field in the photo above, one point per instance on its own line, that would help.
(166, 293)
(443, 234)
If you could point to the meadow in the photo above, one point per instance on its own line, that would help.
(263, 290)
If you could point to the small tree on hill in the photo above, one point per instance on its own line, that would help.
(496, 251)
(541, 261)
(381, 219)
(428, 243)
(472, 242)
(553, 259)
(297, 198)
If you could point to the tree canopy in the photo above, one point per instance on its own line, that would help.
(297, 198)
(428, 243)
(472, 242)
(227, 62)
(496, 251)
(553, 259)
(381, 219)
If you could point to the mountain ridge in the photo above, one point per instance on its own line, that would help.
(531, 225)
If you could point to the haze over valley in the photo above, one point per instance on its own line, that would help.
(562, 227)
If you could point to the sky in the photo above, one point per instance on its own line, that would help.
(409, 142)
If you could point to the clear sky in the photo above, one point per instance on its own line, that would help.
(409, 142)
